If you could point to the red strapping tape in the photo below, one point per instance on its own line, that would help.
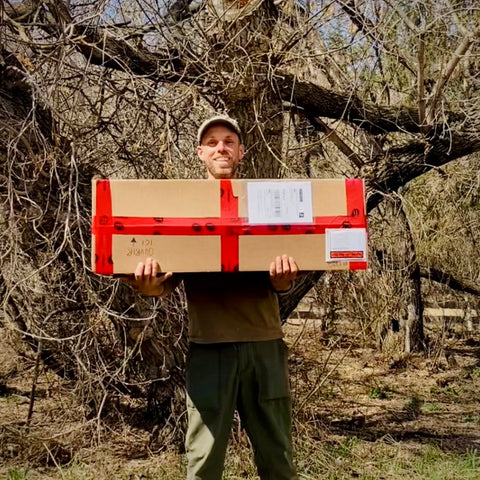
(100, 228)
(355, 209)
(229, 239)
(229, 226)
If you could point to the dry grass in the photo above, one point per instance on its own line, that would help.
(359, 413)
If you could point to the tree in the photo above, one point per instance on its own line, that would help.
(384, 90)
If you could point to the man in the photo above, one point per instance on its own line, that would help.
(237, 357)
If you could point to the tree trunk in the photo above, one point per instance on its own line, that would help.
(412, 325)
(251, 95)
(262, 118)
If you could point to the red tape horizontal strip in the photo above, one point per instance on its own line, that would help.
(215, 226)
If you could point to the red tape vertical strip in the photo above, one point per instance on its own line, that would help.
(103, 235)
(355, 200)
(229, 238)
(358, 265)
(356, 211)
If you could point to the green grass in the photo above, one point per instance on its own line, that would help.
(449, 391)
(381, 392)
(14, 474)
(475, 372)
(14, 398)
(343, 459)
(471, 419)
(353, 458)
(432, 407)
(437, 465)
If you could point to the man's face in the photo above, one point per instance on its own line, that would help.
(221, 152)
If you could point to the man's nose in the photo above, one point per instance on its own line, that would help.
(220, 146)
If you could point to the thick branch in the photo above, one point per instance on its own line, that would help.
(433, 274)
(373, 118)
(402, 164)
(17, 98)
(102, 49)
(451, 281)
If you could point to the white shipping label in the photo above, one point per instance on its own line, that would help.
(279, 202)
(346, 244)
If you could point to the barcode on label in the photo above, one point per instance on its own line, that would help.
(279, 202)
(276, 203)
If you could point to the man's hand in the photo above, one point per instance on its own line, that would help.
(149, 280)
(283, 271)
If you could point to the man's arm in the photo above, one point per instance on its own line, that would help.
(148, 279)
(283, 271)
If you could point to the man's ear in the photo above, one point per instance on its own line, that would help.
(241, 152)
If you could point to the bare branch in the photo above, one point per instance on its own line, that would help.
(421, 82)
(447, 73)
(368, 28)
(337, 141)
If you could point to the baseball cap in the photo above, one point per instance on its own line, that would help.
(218, 119)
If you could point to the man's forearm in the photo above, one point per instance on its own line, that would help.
(282, 286)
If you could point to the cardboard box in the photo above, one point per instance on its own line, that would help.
(228, 225)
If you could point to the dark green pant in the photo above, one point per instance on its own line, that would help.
(251, 377)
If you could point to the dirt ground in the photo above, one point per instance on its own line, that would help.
(373, 393)
(340, 389)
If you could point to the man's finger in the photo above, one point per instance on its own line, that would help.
(293, 266)
(148, 267)
(163, 277)
(155, 268)
(272, 269)
(279, 264)
(139, 271)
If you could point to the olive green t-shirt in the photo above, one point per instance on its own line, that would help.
(231, 307)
